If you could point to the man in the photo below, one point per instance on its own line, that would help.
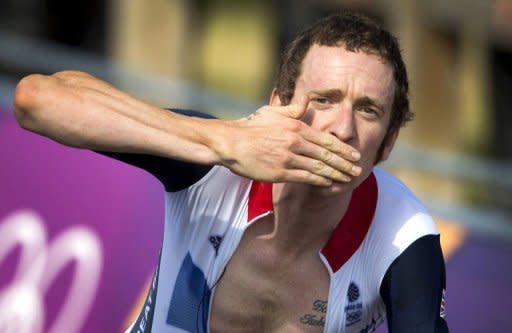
(277, 222)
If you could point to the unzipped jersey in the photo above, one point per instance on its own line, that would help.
(384, 258)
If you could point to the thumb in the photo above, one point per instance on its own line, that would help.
(296, 111)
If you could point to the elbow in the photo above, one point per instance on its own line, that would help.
(25, 100)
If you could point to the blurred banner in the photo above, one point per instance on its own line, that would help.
(79, 236)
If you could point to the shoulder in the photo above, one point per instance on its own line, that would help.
(399, 220)
(400, 212)
(391, 188)
(401, 228)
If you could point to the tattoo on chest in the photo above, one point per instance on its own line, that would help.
(320, 306)
(317, 317)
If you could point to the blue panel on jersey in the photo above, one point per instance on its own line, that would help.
(190, 300)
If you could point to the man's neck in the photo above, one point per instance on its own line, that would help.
(304, 217)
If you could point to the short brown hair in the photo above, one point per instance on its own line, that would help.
(355, 32)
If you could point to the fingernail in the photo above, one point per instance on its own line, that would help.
(356, 154)
(356, 170)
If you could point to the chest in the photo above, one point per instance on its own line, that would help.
(261, 291)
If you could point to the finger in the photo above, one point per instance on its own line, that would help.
(330, 158)
(302, 106)
(305, 177)
(296, 110)
(318, 168)
(331, 143)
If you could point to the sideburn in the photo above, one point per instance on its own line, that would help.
(383, 144)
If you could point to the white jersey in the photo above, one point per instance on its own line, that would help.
(205, 223)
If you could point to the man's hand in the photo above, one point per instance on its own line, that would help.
(274, 145)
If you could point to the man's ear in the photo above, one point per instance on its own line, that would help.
(274, 98)
(389, 144)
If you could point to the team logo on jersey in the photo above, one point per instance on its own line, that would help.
(354, 309)
(215, 240)
(442, 313)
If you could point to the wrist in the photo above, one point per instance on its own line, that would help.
(216, 136)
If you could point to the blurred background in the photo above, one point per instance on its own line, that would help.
(80, 234)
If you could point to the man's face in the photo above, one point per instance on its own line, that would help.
(350, 96)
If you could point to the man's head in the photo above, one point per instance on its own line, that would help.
(354, 33)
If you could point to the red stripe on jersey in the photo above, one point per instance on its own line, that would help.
(352, 229)
(350, 232)
(260, 200)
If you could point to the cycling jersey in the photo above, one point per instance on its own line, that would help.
(383, 258)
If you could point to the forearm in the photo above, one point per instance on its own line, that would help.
(79, 110)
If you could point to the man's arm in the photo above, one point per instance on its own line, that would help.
(413, 289)
(173, 174)
(79, 110)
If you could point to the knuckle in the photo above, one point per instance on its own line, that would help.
(293, 141)
(318, 166)
(286, 159)
(345, 150)
(328, 142)
(312, 178)
(294, 125)
(335, 174)
(326, 155)
(316, 180)
(278, 174)
(346, 166)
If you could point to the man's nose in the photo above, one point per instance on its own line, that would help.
(343, 123)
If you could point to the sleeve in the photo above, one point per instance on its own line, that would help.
(413, 289)
(175, 175)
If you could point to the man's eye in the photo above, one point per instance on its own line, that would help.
(321, 100)
(370, 110)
